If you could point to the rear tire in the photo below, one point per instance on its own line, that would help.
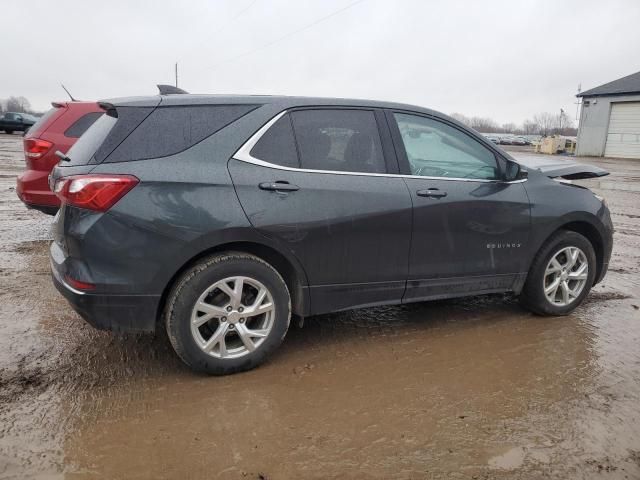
(561, 275)
(8, 132)
(227, 313)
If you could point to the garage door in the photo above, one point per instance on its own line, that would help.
(623, 137)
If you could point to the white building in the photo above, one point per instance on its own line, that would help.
(610, 119)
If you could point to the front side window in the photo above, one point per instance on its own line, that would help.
(435, 149)
(338, 140)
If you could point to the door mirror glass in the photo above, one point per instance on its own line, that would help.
(511, 170)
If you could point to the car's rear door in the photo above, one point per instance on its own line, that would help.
(469, 226)
(317, 181)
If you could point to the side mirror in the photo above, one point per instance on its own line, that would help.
(522, 174)
(514, 172)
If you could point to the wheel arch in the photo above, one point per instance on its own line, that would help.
(293, 275)
(590, 232)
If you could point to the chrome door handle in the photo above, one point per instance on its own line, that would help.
(431, 192)
(278, 186)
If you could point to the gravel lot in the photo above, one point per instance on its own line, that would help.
(473, 388)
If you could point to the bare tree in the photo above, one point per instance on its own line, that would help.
(509, 127)
(485, 125)
(543, 123)
(17, 104)
(546, 122)
(461, 118)
(565, 124)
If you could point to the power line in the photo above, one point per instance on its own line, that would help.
(284, 37)
(228, 23)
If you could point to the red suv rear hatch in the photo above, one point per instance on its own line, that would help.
(58, 129)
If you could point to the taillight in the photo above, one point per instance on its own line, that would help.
(78, 284)
(94, 192)
(35, 148)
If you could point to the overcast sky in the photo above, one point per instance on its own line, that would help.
(502, 59)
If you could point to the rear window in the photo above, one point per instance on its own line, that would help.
(82, 124)
(170, 130)
(85, 148)
(43, 121)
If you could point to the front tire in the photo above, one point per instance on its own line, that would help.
(227, 313)
(561, 275)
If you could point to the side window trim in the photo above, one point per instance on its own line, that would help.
(243, 153)
(401, 152)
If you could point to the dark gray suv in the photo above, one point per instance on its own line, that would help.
(220, 217)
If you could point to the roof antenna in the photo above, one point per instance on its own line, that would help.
(70, 96)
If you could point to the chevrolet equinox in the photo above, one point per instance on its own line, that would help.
(220, 217)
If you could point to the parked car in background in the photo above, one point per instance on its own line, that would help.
(505, 140)
(492, 138)
(517, 141)
(16, 122)
(58, 129)
(218, 217)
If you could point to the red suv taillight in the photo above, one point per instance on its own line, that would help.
(35, 148)
(94, 192)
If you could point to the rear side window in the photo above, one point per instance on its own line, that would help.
(85, 148)
(277, 145)
(170, 130)
(82, 124)
(338, 140)
(128, 119)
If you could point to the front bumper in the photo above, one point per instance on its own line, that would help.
(120, 313)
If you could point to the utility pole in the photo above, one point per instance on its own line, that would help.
(176, 74)
(578, 101)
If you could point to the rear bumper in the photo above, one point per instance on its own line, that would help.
(32, 188)
(119, 313)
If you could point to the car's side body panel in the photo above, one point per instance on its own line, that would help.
(351, 232)
(469, 241)
(555, 205)
(347, 236)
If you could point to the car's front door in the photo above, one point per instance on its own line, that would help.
(317, 182)
(469, 226)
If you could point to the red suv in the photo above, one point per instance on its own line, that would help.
(58, 129)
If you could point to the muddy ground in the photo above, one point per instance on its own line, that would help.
(475, 388)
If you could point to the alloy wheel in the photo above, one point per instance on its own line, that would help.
(565, 276)
(233, 317)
